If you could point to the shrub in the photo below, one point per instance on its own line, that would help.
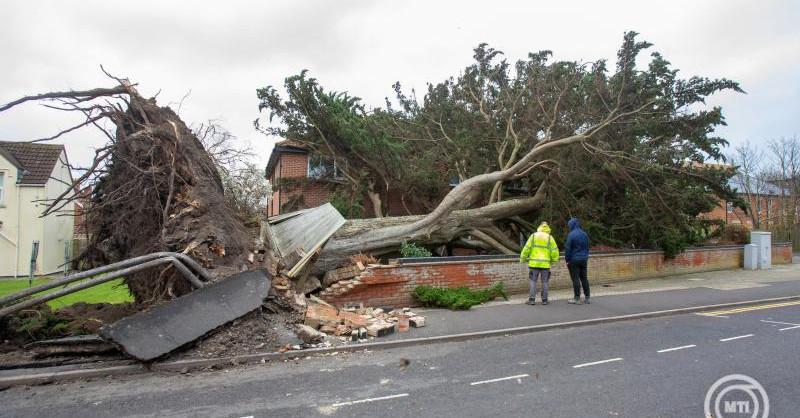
(409, 250)
(459, 298)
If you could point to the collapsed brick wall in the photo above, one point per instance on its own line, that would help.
(381, 285)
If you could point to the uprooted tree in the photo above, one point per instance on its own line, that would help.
(544, 139)
(154, 188)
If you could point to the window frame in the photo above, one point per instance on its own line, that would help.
(333, 174)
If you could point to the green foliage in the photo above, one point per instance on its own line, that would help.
(411, 250)
(349, 205)
(459, 298)
(640, 181)
(43, 324)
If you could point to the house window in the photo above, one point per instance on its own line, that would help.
(730, 207)
(321, 167)
(2, 188)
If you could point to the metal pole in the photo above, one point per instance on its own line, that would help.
(34, 253)
(99, 280)
(114, 266)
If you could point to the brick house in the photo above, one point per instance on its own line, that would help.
(300, 179)
(295, 178)
(769, 204)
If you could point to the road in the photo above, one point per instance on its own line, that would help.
(648, 368)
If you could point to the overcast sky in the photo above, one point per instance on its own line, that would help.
(222, 51)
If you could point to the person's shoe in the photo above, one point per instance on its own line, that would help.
(586, 301)
(530, 302)
(544, 302)
(575, 301)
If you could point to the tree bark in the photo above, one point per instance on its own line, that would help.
(349, 240)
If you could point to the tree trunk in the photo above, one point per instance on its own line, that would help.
(379, 236)
(377, 204)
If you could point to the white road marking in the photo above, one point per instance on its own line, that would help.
(249, 416)
(736, 338)
(382, 398)
(500, 379)
(786, 329)
(578, 366)
(779, 322)
(666, 350)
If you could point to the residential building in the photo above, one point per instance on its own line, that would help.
(30, 176)
(300, 179)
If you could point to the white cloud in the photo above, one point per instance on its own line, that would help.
(223, 51)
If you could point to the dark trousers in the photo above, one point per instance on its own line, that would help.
(578, 274)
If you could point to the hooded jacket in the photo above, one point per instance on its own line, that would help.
(577, 246)
(541, 250)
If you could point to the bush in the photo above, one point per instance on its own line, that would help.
(410, 250)
(459, 298)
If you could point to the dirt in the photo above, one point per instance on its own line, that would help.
(256, 332)
(87, 318)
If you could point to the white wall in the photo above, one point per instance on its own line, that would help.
(19, 213)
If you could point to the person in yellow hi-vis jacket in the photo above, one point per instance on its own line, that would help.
(540, 252)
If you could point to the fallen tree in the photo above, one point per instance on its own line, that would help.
(502, 146)
(154, 188)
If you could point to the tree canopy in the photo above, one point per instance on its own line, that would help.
(625, 149)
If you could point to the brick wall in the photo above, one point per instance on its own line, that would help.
(393, 285)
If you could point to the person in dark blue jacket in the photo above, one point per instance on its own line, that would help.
(577, 258)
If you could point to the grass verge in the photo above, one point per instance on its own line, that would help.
(114, 291)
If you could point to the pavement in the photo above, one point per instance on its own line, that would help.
(661, 367)
(626, 298)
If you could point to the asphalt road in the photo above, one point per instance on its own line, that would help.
(649, 368)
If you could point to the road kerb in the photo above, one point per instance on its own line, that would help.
(182, 365)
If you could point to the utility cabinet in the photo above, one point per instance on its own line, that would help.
(750, 257)
(763, 240)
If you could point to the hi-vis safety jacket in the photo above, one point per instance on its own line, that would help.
(541, 250)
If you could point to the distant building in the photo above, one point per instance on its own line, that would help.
(301, 179)
(30, 175)
(768, 203)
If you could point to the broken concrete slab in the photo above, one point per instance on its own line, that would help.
(154, 333)
(309, 335)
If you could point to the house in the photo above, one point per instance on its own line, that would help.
(298, 179)
(30, 175)
(769, 204)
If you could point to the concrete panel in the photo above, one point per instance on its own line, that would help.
(154, 333)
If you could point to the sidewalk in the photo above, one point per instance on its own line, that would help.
(685, 291)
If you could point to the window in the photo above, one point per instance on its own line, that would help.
(730, 207)
(321, 167)
(2, 187)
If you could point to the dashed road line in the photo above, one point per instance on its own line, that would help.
(736, 338)
(382, 398)
(499, 379)
(786, 329)
(578, 366)
(779, 322)
(666, 350)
